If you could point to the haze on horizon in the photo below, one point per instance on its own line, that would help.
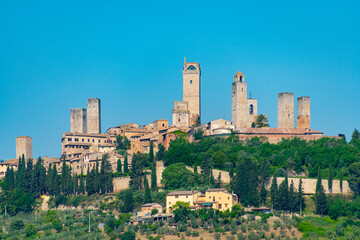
(56, 55)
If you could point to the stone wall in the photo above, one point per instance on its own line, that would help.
(78, 120)
(309, 185)
(121, 183)
(303, 112)
(285, 110)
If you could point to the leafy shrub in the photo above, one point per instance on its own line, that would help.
(30, 230)
(339, 229)
(17, 225)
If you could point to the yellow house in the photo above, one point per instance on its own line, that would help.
(181, 196)
(147, 208)
(220, 199)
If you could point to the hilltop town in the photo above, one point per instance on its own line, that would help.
(162, 179)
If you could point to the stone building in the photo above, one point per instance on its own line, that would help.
(243, 109)
(303, 112)
(24, 147)
(181, 114)
(78, 120)
(93, 115)
(285, 110)
(191, 90)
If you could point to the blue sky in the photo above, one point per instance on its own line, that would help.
(56, 54)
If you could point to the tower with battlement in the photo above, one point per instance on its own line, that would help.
(78, 120)
(24, 147)
(285, 110)
(303, 112)
(191, 90)
(93, 115)
(180, 114)
(243, 109)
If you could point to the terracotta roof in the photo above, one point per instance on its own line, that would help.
(150, 204)
(10, 162)
(216, 190)
(103, 135)
(77, 143)
(275, 131)
(181, 193)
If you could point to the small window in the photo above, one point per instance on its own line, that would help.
(82, 140)
(240, 78)
(187, 196)
(176, 196)
(69, 139)
(190, 81)
(76, 139)
(191, 67)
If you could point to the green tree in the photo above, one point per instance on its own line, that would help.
(321, 201)
(330, 178)
(106, 175)
(147, 196)
(198, 134)
(30, 230)
(292, 197)
(263, 194)
(161, 152)
(179, 151)
(300, 201)
(118, 166)
(355, 136)
(206, 171)
(319, 180)
(122, 143)
(341, 181)
(176, 176)
(128, 201)
(153, 175)
(55, 182)
(90, 180)
(138, 165)
(354, 181)
(126, 165)
(261, 121)
(81, 185)
(28, 176)
(283, 194)
(274, 193)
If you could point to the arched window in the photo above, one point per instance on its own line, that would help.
(190, 81)
(240, 78)
(191, 67)
(251, 109)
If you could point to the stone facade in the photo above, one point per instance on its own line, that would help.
(78, 120)
(243, 110)
(285, 110)
(24, 147)
(191, 89)
(93, 115)
(303, 112)
(181, 114)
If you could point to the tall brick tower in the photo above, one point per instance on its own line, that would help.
(78, 120)
(285, 110)
(239, 102)
(93, 115)
(303, 112)
(24, 147)
(191, 90)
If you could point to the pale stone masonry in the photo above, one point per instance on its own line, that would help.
(191, 89)
(78, 120)
(243, 109)
(93, 115)
(285, 110)
(24, 147)
(303, 112)
(180, 114)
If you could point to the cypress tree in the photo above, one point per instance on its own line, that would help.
(330, 179)
(126, 165)
(64, 183)
(292, 197)
(153, 176)
(42, 180)
(7, 185)
(76, 184)
(128, 201)
(321, 201)
(55, 181)
(28, 176)
(81, 186)
(318, 183)
(283, 194)
(106, 175)
(151, 152)
(97, 180)
(341, 181)
(118, 166)
(231, 171)
(11, 178)
(147, 196)
(263, 194)
(218, 181)
(49, 180)
(300, 201)
(196, 175)
(161, 152)
(274, 193)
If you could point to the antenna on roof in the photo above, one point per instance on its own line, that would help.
(184, 60)
(250, 95)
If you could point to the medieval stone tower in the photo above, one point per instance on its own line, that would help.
(93, 115)
(181, 114)
(191, 90)
(24, 147)
(303, 112)
(243, 110)
(78, 120)
(285, 110)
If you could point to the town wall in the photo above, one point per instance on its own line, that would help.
(303, 112)
(285, 110)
